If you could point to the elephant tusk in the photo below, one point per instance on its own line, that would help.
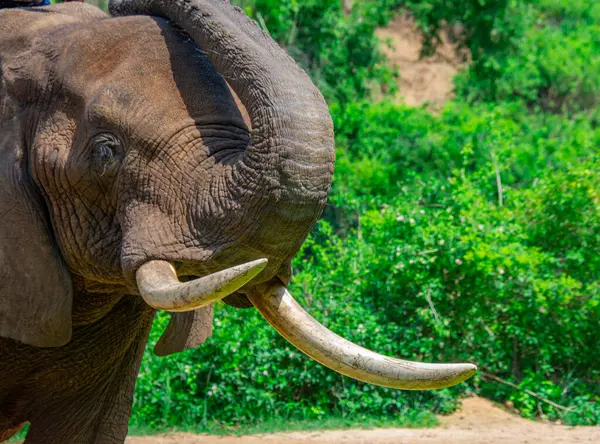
(280, 309)
(158, 284)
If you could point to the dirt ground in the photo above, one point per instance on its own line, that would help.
(479, 422)
(421, 81)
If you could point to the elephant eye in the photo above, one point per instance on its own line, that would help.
(106, 150)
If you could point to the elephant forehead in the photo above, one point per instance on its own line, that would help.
(141, 66)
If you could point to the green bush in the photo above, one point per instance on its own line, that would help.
(550, 58)
(545, 53)
(382, 145)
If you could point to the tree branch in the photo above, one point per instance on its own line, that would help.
(529, 392)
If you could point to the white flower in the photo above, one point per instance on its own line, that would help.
(400, 218)
(412, 221)
(480, 227)
(458, 262)
(422, 211)
(214, 388)
(442, 242)
(501, 270)
(265, 373)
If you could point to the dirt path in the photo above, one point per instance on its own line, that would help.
(479, 422)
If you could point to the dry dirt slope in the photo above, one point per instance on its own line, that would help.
(427, 80)
(479, 422)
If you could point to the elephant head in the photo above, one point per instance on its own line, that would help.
(130, 167)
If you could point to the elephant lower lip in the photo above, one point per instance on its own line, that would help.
(188, 278)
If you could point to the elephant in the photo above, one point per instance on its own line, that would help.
(164, 156)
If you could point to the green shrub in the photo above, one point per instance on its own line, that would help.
(382, 145)
(550, 60)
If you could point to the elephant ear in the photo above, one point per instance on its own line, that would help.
(35, 286)
(185, 330)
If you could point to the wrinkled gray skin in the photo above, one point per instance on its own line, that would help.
(121, 142)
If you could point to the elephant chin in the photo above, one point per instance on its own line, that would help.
(160, 288)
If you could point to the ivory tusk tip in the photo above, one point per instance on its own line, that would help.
(466, 371)
(436, 376)
(460, 373)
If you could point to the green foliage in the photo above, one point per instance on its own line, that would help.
(385, 144)
(486, 26)
(548, 58)
(247, 373)
(513, 287)
(520, 279)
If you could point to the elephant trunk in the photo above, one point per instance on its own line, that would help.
(284, 176)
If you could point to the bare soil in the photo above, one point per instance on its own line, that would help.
(422, 80)
(479, 422)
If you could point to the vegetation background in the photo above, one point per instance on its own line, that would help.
(470, 233)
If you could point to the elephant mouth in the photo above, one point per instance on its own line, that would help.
(160, 287)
